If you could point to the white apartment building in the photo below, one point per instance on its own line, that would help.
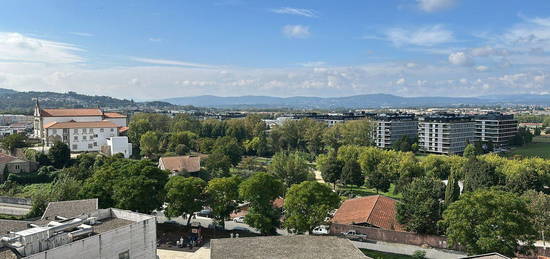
(84, 130)
(118, 145)
(496, 128)
(445, 133)
(392, 127)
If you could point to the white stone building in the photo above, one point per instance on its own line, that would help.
(445, 133)
(84, 130)
(118, 145)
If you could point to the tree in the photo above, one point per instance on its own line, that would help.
(149, 144)
(537, 131)
(223, 197)
(11, 142)
(470, 151)
(261, 189)
(452, 190)
(378, 180)
(307, 205)
(357, 132)
(292, 168)
(489, 220)
(184, 195)
(137, 128)
(59, 154)
(524, 178)
(330, 167)
(230, 147)
(420, 208)
(538, 204)
(480, 174)
(217, 164)
(351, 174)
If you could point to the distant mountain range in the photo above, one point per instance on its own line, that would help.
(357, 101)
(22, 102)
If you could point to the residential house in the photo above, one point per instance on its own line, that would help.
(180, 164)
(15, 165)
(372, 211)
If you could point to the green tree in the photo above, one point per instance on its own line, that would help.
(11, 142)
(378, 180)
(138, 128)
(538, 204)
(489, 220)
(452, 190)
(217, 164)
(358, 132)
(149, 144)
(230, 147)
(526, 178)
(330, 167)
(470, 151)
(184, 195)
(292, 168)
(261, 189)
(421, 206)
(59, 154)
(223, 197)
(307, 205)
(351, 174)
(480, 174)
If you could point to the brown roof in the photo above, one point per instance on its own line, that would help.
(123, 129)
(181, 163)
(375, 210)
(6, 158)
(70, 112)
(69, 209)
(114, 115)
(81, 124)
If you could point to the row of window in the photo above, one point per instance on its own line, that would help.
(85, 130)
(90, 146)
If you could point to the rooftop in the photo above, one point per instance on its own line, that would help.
(446, 117)
(80, 124)
(376, 210)
(114, 115)
(394, 116)
(181, 163)
(7, 158)
(279, 247)
(70, 112)
(69, 209)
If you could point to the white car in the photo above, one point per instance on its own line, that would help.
(320, 230)
(239, 219)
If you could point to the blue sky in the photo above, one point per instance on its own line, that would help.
(160, 49)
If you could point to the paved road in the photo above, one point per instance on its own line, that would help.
(407, 249)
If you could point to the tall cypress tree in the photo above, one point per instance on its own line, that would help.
(452, 191)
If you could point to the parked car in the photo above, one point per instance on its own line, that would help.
(204, 213)
(320, 230)
(353, 235)
(239, 219)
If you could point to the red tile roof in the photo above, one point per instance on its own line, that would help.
(179, 163)
(375, 210)
(70, 112)
(6, 158)
(81, 124)
(114, 115)
(123, 129)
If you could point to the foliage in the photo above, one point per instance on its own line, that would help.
(479, 174)
(351, 174)
(59, 154)
(307, 205)
(29, 178)
(470, 151)
(452, 190)
(223, 197)
(330, 167)
(261, 189)
(292, 168)
(419, 254)
(230, 147)
(538, 204)
(184, 195)
(378, 181)
(217, 164)
(489, 220)
(11, 142)
(420, 208)
(149, 144)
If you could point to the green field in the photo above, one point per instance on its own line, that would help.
(381, 255)
(540, 147)
(364, 191)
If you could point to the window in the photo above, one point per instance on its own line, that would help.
(101, 130)
(54, 131)
(75, 138)
(75, 131)
(95, 144)
(112, 129)
(95, 135)
(90, 146)
(124, 255)
(83, 137)
(75, 147)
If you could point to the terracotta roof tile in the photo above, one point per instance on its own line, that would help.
(180, 163)
(376, 210)
(114, 115)
(80, 124)
(6, 158)
(70, 112)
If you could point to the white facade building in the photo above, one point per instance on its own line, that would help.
(83, 130)
(392, 127)
(445, 133)
(119, 145)
(496, 128)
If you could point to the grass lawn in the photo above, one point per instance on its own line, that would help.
(382, 255)
(364, 191)
(540, 147)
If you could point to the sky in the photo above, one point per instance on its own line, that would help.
(162, 49)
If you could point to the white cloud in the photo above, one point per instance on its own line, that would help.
(411, 65)
(170, 62)
(435, 5)
(295, 11)
(83, 34)
(423, 36)
(460, 58)
(313, 64)
(532, 33)
(296, 31)
(482, 68)
(400, 81)
(18, 47)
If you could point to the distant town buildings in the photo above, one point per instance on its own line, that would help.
(496, 128)
(391, 127)
(445, 133)
(83, 130)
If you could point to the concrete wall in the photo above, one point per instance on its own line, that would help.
(139, 238)
(392, 236)
(13, 200)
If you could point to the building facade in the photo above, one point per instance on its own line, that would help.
(84, 130)
(496, 128)
(445, 133)
(392, 127)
